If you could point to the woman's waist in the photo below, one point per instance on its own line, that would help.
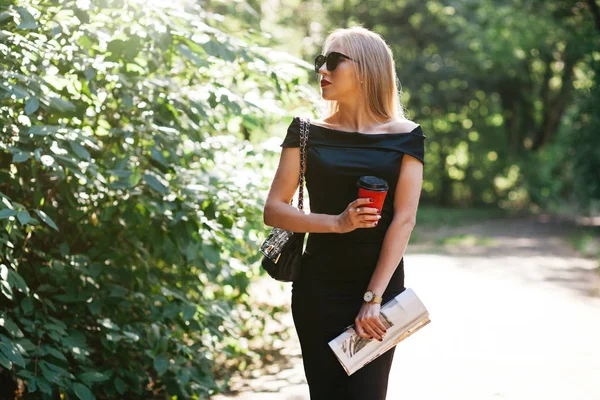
(357, 236)
(343, 247)
(332, 256)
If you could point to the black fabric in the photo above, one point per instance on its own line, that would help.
(334, 161)
(321, 311)
(336, 268)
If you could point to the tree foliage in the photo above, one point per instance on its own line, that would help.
(129, 202)
(501, 88)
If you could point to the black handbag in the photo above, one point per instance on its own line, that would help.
(283, 249)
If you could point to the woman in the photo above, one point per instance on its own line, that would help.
(354, 254)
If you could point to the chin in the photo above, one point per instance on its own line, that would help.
(327, 96)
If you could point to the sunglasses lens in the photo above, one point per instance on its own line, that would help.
(332, 61)
(319, 61)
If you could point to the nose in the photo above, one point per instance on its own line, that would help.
(323, 70)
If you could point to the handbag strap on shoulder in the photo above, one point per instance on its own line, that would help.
(304, 128)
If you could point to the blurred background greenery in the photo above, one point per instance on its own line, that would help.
(138, 139)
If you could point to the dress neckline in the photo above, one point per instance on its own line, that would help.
(366, 134)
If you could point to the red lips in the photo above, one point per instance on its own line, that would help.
(325, 82)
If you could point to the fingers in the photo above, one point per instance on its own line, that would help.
(360, 331)
(364, 201)
(370, 328)
(359, 214)
(369, 217)
(372, 332)
(366, 211)
(366, 217)
(378, 328)
(368, 224)
(363, 206)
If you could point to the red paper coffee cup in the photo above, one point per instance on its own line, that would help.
(374, 188)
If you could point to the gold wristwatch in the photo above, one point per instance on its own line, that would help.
(371, 298)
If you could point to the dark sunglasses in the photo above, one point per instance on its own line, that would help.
(332, 59)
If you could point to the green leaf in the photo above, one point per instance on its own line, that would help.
(89, 378)
(161, 364)
(46, 219)
(120, 385)
(20, 156)
(61, 105)
(24, 217)
(64, 249)
(118, 291)
(31, 105)
(126, 49)
(75, 339)
(15, 280)
(44, 385)
(188, 311)
(212, 47)
(89, 72)
(12, 328)
(80, 150)
(27, 20)
(26, 344)
(158, 156)
(54, 352)
(5, 362)
(23, 373)
(155, 184)
(45, 287)
(6, 290)
(6, 213)
(83, 392)
(115, 46)
(54, 373)
(27, 305)
(32, 385)
(211, 254)
(5, 15)
(17, 92)
(82, 15)
(95, 306)
(121, 173)
(43, 130)
(11, 352)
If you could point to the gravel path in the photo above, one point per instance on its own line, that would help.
(517, 318)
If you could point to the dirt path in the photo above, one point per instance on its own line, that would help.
(515, 315)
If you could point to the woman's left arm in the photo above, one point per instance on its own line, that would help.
(406, 201)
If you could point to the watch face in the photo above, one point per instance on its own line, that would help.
(368, 296)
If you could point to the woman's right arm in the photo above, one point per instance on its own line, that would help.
(278, 211)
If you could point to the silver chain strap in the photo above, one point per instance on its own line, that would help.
(304, 127)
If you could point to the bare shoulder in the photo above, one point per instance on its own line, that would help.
(400, 125)
(321, 122)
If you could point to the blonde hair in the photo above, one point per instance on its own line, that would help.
(375, 67)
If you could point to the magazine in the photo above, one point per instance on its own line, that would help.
(402, 316)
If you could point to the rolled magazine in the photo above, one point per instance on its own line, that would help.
(402, 316)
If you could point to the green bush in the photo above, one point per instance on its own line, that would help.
(128, 221)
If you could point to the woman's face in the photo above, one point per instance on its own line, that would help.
(343, 85)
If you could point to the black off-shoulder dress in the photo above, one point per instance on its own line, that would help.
(336, 268)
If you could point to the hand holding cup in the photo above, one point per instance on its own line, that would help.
(358, 214)
(374, 188)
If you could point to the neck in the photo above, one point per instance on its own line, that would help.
(352, 115)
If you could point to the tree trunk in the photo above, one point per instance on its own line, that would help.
(554, 108)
